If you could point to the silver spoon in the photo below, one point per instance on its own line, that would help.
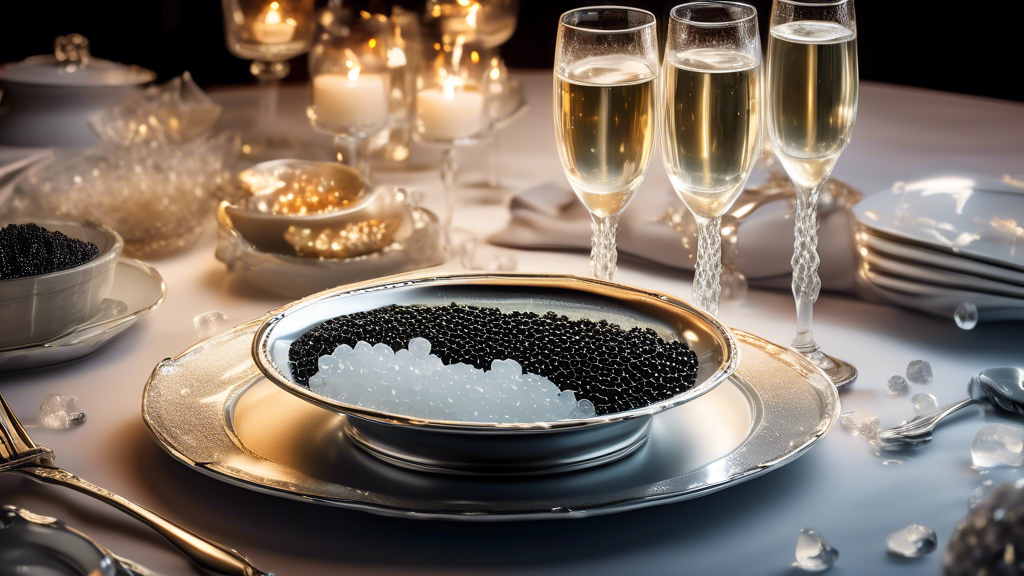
(1003, 387)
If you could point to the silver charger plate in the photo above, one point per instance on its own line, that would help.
(136, 284)
(214, 411)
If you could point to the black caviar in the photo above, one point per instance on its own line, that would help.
(31, 250)
(616, 369)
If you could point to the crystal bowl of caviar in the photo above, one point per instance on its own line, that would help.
(54, 276)
(494, 374)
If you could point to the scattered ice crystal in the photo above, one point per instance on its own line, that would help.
(813, 552)
(414, 382)
(209, 324)
(862, 424)
(898, 386)
(998, 445)
(966, 315)
(892, 462)
(979, 493)
(913, 541)
(60, 411)
(919, 371)
(924, 404)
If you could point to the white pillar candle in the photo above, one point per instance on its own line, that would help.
(343, 101)
(446, 115)
(271, 28)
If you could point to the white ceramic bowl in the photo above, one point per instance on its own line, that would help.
(38, 308)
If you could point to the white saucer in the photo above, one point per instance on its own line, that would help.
(877, 243)
(937, 276)
(967, 215)
(137, 285)
(939, 300)
(213, 410)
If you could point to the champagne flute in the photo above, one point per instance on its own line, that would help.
(711, 87)
(811, 107)
(606, 68)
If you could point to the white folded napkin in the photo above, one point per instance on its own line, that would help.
(550, 217)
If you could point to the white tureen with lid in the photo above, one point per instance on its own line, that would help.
(47, 99)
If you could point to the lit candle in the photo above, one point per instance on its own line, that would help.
(271, 28)
(447, 114)
(351, 99)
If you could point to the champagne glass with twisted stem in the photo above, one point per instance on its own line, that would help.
(812, 79)
(606, 69)
(711, 137)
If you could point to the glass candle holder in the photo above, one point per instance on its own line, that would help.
(452, 109)
(357, 82)
(269, 33)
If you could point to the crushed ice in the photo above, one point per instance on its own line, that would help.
(924, 404)
(913, 541)
(413, 382)
(919, 372)
(998, 445)
(60, 411)
(209, 324)
(813, 552)
(898, 386)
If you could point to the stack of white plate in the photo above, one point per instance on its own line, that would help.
(938, 243)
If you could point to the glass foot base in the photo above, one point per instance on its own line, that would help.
(841, 373)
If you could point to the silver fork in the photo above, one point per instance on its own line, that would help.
(19, 455)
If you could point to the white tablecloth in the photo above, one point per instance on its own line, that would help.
(841, 487)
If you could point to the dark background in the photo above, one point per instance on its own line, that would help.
(966, 46)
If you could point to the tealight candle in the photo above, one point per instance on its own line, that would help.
(448, 115)
(351, 99)
(271, 28)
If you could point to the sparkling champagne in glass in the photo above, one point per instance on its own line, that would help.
(711, 98)
(811, 108)
(606, 70)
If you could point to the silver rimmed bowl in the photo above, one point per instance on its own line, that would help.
(493, 448)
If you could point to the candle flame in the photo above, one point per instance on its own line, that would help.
(450, 84)
(372, 42)
(273, 14)
(474, 56)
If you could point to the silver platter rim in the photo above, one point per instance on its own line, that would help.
(235, 465)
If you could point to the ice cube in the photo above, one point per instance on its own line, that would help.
(919, 372)
(913, 541)
(60, 411)
(861, 424)
(586, 408)
(898, 386)
(209, 324)
(813, 552)
(998, 445)
(966, 315)
(924, 404)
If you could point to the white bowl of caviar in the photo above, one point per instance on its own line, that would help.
(495, 374)
(54, 276)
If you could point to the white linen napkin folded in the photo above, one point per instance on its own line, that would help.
(550, 217)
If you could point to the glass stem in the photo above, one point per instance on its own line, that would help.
(449, 165)
(603, 255)
(806, 284)
(354, 152)
(492, 161)
(707, 276)
(269, 75)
